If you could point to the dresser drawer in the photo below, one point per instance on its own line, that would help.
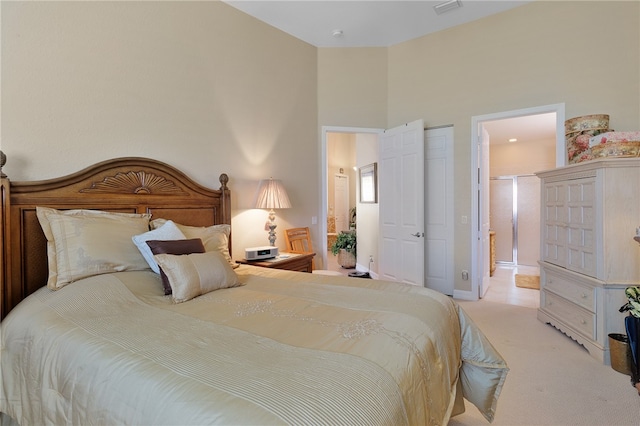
(574, 316)
(580, 294)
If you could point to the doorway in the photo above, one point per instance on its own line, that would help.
(350, 141)
(515, 219)
(480, 154)
(438, 196)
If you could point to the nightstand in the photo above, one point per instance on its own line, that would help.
(301, 262)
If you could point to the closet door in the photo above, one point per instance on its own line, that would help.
(341, 201)
(501, 217)
(528, 220)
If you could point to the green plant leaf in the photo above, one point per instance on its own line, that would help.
(345, 240)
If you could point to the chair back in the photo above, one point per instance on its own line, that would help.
(298, 240)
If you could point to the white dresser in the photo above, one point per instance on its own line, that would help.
(589, 215)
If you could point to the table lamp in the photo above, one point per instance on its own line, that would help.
(271, 195)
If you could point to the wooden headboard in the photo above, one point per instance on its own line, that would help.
(129, 185)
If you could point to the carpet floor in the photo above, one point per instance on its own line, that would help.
(552, 379)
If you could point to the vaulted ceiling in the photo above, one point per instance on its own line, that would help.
(380, 23)
(367, 23)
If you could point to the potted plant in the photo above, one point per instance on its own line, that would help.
(632, 325)
(345, 248)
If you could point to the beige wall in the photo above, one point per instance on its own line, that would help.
(198, 85)
(539, 54)
(521, 158)
(352, 87)
(206, 88)
(341, 154)
(368, 213)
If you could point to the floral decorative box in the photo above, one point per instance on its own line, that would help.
(614, 137)
(616, 149)
(579, 130)
(586, 122)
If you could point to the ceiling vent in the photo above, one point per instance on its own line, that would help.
(447, 6)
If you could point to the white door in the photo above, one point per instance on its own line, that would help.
(439, 214)
(528, 220)
(501, 217)
(401, 204)
(341, 202)
(484, 203)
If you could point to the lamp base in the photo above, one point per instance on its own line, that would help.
(272, 234)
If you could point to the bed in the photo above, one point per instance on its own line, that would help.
(231, 344)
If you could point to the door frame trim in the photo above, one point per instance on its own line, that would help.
(477, 187)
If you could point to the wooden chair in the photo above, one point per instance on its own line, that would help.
(298, 240)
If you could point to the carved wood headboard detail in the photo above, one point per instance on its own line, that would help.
(130, 185)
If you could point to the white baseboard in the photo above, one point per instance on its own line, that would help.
(464, 295)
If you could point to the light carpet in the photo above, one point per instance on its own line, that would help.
(552, 379)
(528, 281)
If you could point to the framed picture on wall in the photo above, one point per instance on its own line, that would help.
(369, 183)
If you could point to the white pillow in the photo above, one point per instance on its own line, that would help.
(191, 275)
(168, 231)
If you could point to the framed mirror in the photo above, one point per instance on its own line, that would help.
(369, 183)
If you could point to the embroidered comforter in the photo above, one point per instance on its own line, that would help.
(284, 348)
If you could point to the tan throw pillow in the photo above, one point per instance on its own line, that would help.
(214, 238)
(95, 244)
(43, 214)
(177, 247)
(191, 275)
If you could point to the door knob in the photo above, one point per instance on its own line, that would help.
(418, 234)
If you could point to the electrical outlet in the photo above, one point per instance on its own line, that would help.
(314, 220)
(465, 274)
(370, 258)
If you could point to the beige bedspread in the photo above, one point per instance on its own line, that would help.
(285, 348)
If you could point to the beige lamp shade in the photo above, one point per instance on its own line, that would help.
(271, 195)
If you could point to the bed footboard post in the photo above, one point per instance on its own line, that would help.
(4, 237)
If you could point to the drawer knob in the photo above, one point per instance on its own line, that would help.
(583, 321)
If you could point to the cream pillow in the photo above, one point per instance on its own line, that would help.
(214, 238)
(43, 214)
(87, 245)
(167, 232)
(191, 275)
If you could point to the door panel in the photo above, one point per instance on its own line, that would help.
(439, 215)
(401, 204)
(502, 217)
(341, 201)
(528, 220)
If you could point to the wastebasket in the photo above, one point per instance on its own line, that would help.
(620, 353)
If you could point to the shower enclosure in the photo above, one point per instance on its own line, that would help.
(515, 218)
